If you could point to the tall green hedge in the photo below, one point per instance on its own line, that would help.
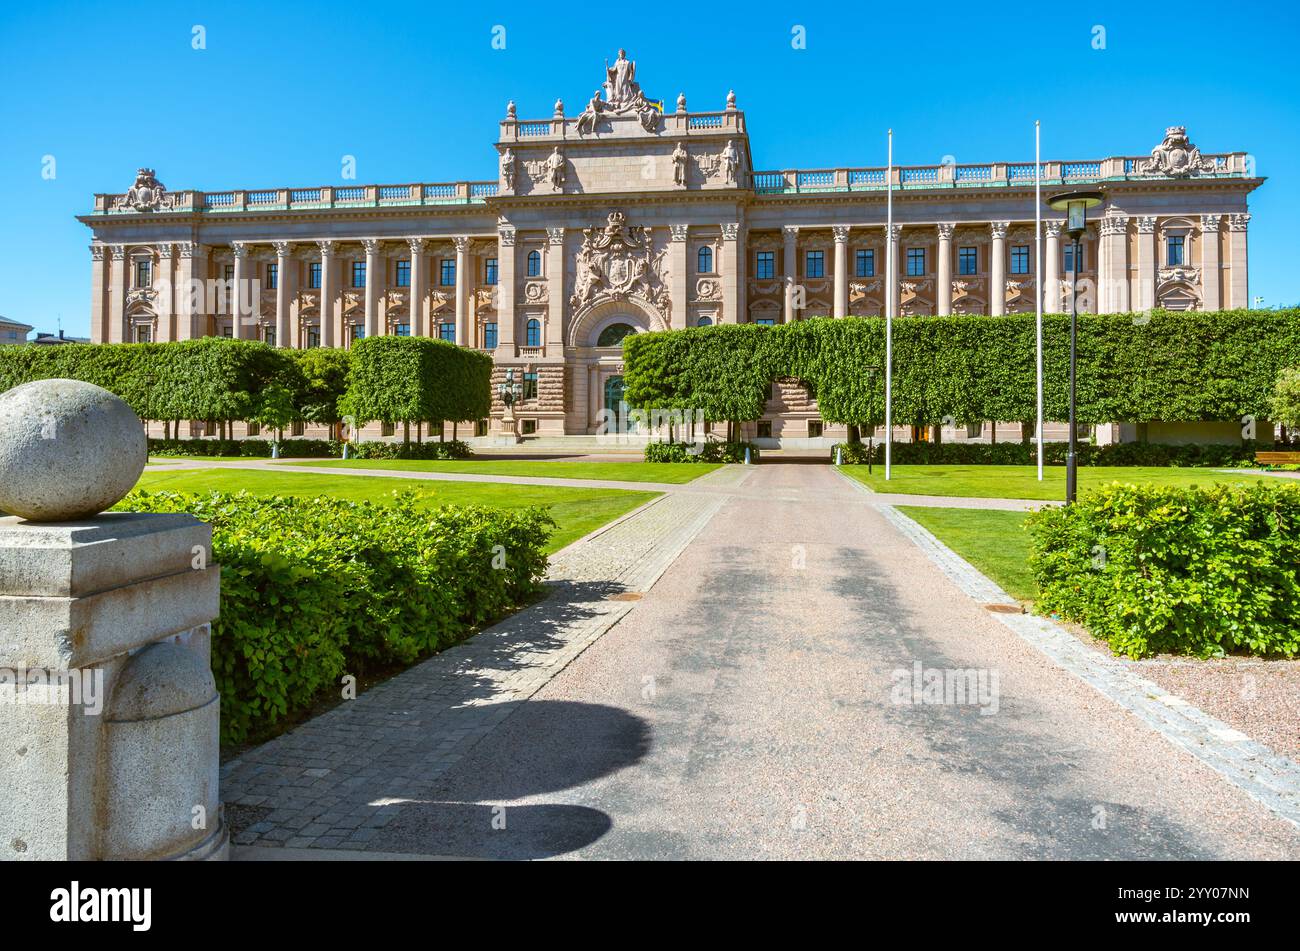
(1132, 367)
(409, 379)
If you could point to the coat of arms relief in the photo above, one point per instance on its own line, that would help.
(1176, 157)
(147, 194)
(617, 262)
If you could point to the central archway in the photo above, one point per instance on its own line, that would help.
(591, 322)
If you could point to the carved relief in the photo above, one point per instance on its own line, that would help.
(508, 170)
(147, 194)
(1175, 157)
(536, 292)
(617, 262)
(708, 289)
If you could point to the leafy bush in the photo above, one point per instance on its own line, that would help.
(315, 588)
(434, 449)
(1024, 454)
(1153, 569)
(405, 379)
(248, 448)
(1285, 401)
(700, 452)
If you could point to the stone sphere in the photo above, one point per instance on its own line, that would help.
(68, 450)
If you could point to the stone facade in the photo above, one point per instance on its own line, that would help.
(641, 215)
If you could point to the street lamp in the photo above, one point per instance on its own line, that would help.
(510, 390)
(1075, 205)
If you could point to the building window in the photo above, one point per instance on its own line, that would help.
(704, 322)
(143, 273)
(313, 275)
(490, 271)
(704, 261)
(402, 276)
(447, 272)
(447, 331)
(527, 426)
(1020, 259)
(915, 262)
(230, 272)
(533, 333)
(764, 429)
(612, 336)
(386, 429)
(490, 336)
(227, 331)
(1067, 256)
(864, 263)
(968, 261)
(402, 330)
(974, 430)
(814, 428)
(358, 273)
(765, 322)
(143, 334)
(357, 332)
(268, 336)
(254, 429)
(530, 385)
(765, 265)
(296, 428)
(814, 264)
(272, 276)
(480, 427)
(313, 337)
(534, 263)
(1174, 250)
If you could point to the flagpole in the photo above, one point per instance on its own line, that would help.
(1038, 283)
(889, 310)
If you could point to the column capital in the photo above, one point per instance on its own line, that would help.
(840, 233)
(1146, 224)
(370, 245)
(730, 230)
(894, 232)
(462, 244)
(790, 232)
(998, 229)
(1210, 222)
(117, 252)
(239, 248)
(678, 232)
(506, 236)
(282, 248)
(555, 236)
(1238, 222)
(945, 229)
(97, 252)
(166, 250)
(326, 248)
(1052, 227)
(1113, 224)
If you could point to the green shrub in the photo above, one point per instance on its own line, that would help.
(433, 449)
(700, 452)
(315, 588)
(1025, 454)
(1153, 569)
(249, 448)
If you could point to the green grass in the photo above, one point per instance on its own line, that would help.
(666, 472)
(576, 511)
(164, 460)
(992, 541)
(1021, 482)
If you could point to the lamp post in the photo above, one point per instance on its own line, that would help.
(1075, 205)
(511, 392)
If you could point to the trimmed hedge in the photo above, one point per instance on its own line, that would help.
(432, 449)
(312, 589)
(252, 448)
(705, 452)
(1024, 454)
(1153, 569)
(1188, 366)
(407, 379)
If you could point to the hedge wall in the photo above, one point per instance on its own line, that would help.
(312, 589)
(1132, 367)
(1024, 454)
(407, 379)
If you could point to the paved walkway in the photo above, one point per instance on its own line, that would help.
(756, 701)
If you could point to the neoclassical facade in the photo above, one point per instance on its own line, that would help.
(637, 215)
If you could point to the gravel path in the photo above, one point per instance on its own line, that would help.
(747, 707)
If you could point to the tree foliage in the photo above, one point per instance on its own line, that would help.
(409, 379)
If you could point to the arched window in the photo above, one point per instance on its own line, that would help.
(533, 332)
(613, 335)
(704, 322)
(704, 260)
(534, 263)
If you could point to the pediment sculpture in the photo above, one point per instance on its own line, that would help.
(1176, 157)
(623, 96)
(147, 194)
(617, 262)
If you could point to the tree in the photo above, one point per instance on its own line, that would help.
(1285, 401)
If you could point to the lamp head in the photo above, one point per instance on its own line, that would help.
(1075, 205)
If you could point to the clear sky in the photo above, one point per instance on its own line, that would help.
(282, 92)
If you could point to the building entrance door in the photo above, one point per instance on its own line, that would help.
(614, 403)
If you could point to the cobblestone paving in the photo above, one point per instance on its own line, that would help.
(333, 782)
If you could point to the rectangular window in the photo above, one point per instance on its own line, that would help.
(254, 429)
(864, 264)
(272, 276)
(765, 265)
(447, 272)
(358, 332)
(814, 428)
(528, 426)
(296, 428)
(480, 427)
(447, 331)
(143, 334)
(402, 330)
(1020, 259)
(227, 332)
(1067, 258)
(313, 337)
(490, 271)
(968, 261)
(402, 276)
(974, 430)
(490, 335)
(915, 262)
(268, 336)
(1175, 250)
(313, 274)
(386, 429)
(358, 273)
(143, 273)
(530, 386)
(230, 272)
(814, 264)
(765, 322)
(764, 429)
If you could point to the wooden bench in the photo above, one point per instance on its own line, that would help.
(1278, 458)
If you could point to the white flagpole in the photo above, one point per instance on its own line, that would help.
(1038, 284)
(889, 310)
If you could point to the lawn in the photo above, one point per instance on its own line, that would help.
(1021, 482)
(666, 472)
(576, 511)
(992, 541)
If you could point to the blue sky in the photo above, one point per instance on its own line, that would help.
(282, 92)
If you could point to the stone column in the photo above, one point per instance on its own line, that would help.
(730, 272)
(112, 741)
(841, 300)
(1052, 268)
(117, 293)
(943, 270)
(1238, 277)
(1113, 275)
(892, 239)
(790, 266)
(554, 290)
(237, 293)
(1148, 262)
(415, 309)
(1211, 298)
(998, 268)
(678, 276)
(165, 282)
(327, 294)
(374, 278)
(506, 317)
(99, 332)
(192, 302)
(463, 278)
(284, 279)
